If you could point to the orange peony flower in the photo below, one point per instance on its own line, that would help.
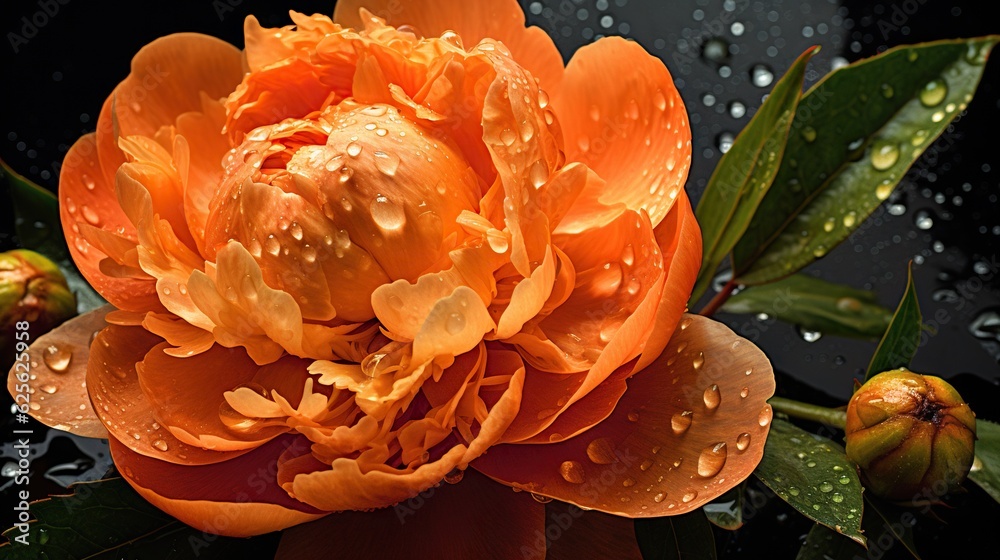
(369, 252)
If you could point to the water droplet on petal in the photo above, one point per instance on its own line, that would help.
(540, 499)
(160, 444)
(58, 359)
(712, 459)
(602, 451)
(354, 149)
(387, 215)
(454, 476)
(455, 323)
(689, 496)
(742, 441)
(764, 418)
(712, 397)
(884, 155)
(680, 422)
(572, 472)
(386, 163)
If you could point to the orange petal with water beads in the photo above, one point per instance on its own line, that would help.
(54, 376)
(690, 426)
(231, 498)
(633, 131)
(123, 408)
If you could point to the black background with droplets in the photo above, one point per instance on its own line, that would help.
(56, 80)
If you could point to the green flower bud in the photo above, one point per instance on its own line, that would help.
(34, 294)
(912, 435)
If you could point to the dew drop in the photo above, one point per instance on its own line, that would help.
(57, 358)
(887, 91)
(628, 482)
(633, 416)
(825, 487)
(933, 93)
(689, 496)
(698, 361)
(160, 444)
(742, 441)
(809, 134)
(884, 155)
(455, 323)
(572, 472)
(837, 497)
(764, 418)
(744, 392)
(761, 75)
(712, 397)
(602, 451)
(387, 215)
(454, 476)
(844, 479)
(353, 149)
(884, 189)
(645, 465)
(386, 163)
(681, 421)
(540, 498)
(659, 497)
(90, 215)
(50, 389)
(712, 459)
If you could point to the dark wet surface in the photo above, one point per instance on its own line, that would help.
(724, 56)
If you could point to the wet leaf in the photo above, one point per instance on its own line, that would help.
(678, 537)
(986, 468)
(854, 135)
(814, 475)
(726, 511)
(823, 543)
(108, 520)
(815, 305)
(36, 221)
(902, 338)
(745, 172)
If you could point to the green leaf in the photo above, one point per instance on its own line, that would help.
(726, 511)
(902, 338)
(986, 468)
(38, 226)
(745, 172)
(823, 543)
(814, 476)
(678, 537)
(882, 517)
(816, 305)
(854, 135)
(108, 520)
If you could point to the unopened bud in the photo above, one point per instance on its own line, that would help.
(912, 435)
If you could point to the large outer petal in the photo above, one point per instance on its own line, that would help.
(87, 198)
(632, 130)
(126, 412)
(502, 20)
(705, 370)
(476, 518)
(237, 498)
(59, 398)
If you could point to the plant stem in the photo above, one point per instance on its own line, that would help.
(806, 411)
(719, 299)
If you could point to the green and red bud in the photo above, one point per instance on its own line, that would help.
(912, 435)
(33, 294)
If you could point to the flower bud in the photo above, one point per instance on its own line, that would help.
(912, 435)
(32, 291)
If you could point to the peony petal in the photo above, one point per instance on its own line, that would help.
(720, 380)
(167, 80)
(122, 406)
(57, 386)
(85, 197)
(633, 131)
(679, 238)
(502, 20)
(587, 534)
(491, 521)
(187, 396)
(237, 498)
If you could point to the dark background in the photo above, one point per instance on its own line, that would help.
(944, 216)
